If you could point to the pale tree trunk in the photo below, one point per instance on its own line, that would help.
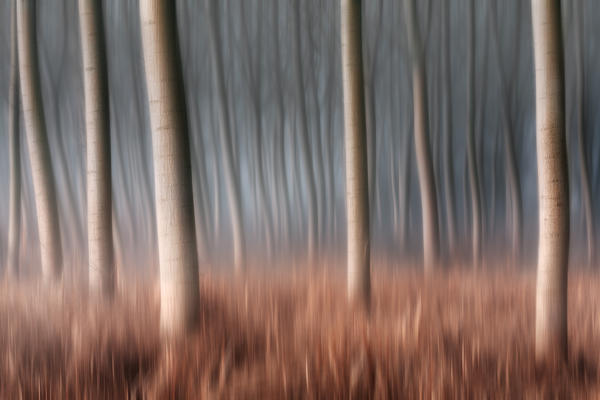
(235, 205)
(304, 141)
(586, 197)
(14, 149)
(357, 187)
(429, 209)
(473, 171)
(447, 121)
(97, 127)
(37, 141)
(179, 286)
(553, 185)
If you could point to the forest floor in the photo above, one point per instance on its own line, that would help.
(459, 334)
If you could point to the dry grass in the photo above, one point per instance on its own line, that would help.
(456, 335)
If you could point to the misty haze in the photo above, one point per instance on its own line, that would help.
(322, 199)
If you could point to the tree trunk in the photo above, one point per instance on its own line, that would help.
(404, 187)
(99, 197)
(280, 133)
(422, 148)
(514, 186)
(304, 141)
(513, 194)
(200, 179)
(586, 197)
(233, 187)
(553, 185)
(357, 188)
(14, 148)
(370, 71)
(473, 170)
(37, 141)
(447, 115)
(179, 286)
(254, 56)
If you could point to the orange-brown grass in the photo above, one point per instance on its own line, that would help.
(456, 335)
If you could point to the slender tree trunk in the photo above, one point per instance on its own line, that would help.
(280, 131)
(435, 128)
(374, 198)
(14, 148)
(514, 186)
(254, 58)
(473, 170)
(315, 38)
(329, 140)
(37, 141)
(235, 205)
(465, 189)
(261, 189)
(216, 197)
(331, 156)
(201, 202)
(99, 197)
(296, 182)
(304, 141)
(319, 170)
(393, 185)
(370, 67)
(553, 192)
(262, 186)
(404, 185)
(513, 195)
(586, 197)
(393, 147)
(447, 115)
(357, 188)
(431, 243)
(178, 263)
(494, 189)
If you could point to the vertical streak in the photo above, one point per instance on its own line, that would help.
(357, 188)
(553, 185)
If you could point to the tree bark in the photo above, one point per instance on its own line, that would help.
(553, 185)
(179, 304)
(37, 141)
(97, 127)
(422, 148)
(357, 187)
